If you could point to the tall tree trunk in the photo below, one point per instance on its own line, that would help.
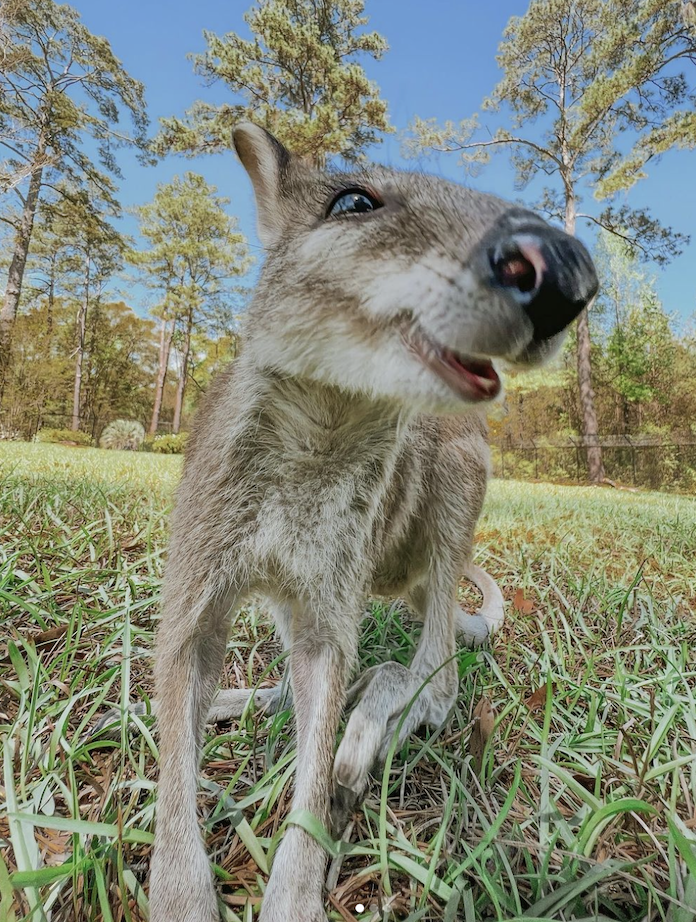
(181, 388)
(89, 395)
(590, 431)
(50, 306)
(166, 336)
(15, 276)
(81, 329)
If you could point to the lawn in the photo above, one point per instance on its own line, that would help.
(573, 797)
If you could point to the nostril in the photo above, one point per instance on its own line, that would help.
(518, 264)
(516, 272)
(545, 273)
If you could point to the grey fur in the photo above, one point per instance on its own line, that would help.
(328, 465)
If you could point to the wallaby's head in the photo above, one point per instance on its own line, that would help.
(402, 285)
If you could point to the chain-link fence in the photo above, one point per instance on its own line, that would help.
(641, 460)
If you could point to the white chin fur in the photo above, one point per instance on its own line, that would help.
(387, 370)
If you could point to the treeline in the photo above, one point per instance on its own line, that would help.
(72, 354)
(591, 92)
(81, 358)
(120, 371)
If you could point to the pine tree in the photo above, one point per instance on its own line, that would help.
(298, 77)
(194, 253)
(95, 251)
(59, 85)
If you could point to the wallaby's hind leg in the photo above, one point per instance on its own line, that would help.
(384, 693)
(189, 658)
(230, 703)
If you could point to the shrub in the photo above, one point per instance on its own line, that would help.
(63, 435)
(123, 435)
(169, 444)
(9, 433)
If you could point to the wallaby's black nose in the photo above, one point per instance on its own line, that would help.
(550, 274)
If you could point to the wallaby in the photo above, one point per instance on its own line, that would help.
(344, 456)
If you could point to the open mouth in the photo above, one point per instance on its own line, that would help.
(474, 380)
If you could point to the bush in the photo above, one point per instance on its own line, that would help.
(63, 435)
(169, 444)
(123, 435)
(9, 433)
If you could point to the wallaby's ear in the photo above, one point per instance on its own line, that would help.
(264, 158)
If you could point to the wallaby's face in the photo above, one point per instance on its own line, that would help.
(402, 285)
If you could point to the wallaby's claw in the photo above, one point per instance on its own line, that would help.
(112, 720)
(344, 803)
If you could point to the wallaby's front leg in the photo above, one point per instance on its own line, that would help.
(189, 657)
(320, 666)
(386, 691)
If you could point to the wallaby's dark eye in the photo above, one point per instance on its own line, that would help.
(352, 201)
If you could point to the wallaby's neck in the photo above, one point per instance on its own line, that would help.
(315, 420)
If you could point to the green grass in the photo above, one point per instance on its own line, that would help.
(583, 808)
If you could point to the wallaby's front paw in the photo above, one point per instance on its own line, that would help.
(284, 909)
(388, 696)
(181, 889)
(296, 886)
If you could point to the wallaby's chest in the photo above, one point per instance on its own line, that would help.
(321, 475)
(318, 522)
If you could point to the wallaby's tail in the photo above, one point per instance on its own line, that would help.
(492, 610)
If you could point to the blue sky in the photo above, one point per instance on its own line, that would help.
(441, 63)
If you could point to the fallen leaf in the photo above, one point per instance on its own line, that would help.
(40, 639)
(586, 781)
(526, 606)
(53, 633)
(537, 699)
(54, 845)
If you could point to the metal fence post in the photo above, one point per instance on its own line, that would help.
(633, 458)
(577, 458)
